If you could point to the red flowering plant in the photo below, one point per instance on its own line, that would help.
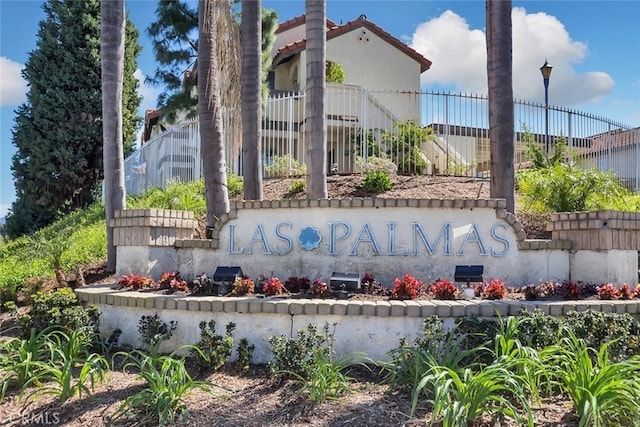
(319, 289)
(173, 281)
(626, 292)
(273, 286)
(178, 285)
(444, 289)
(367, 279)
(608, 292)
(134, 282)
(296, 284)
(407, 288)
(571, 290)
(494, 289)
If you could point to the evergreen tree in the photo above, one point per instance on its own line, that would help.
(58, 163)
(175, 44)
(131, 121)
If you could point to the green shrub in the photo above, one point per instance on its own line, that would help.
(405, 143)
(235, 184)
(334, 73)
(568, 188)
(376, 182)
(539, 330)
(245, 354)
(297, 187)
(541, 160)
(457, 168)
(597, 328)
(214, 349)
(296, 357)
(62, 310)
(153, 331)
(285, 166)
(188, 196)
(376, 164)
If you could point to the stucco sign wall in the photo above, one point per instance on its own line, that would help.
(384, 237)
(385, 240)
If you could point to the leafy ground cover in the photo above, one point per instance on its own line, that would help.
(480, 374)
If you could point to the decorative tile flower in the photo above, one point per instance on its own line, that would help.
(309, 238)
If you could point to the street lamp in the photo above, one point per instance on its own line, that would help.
(546, 72)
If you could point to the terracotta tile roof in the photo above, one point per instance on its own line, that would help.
(337, 30)
(618, 138)
(298, 20)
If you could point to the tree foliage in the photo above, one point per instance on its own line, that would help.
(58, 130)
(175, 44)
(405, 143)
(555, 183)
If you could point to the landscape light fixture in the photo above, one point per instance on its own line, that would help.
(468, 274)
(546, 73)
(351, 281)
(224, 277)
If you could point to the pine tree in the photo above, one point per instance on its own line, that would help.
(58, 163)
(175, 43)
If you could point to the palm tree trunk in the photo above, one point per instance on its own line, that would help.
(499, 74)
(210, 114)
(251, 29)
(316, 125)
(112, 37)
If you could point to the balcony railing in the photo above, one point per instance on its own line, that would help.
(424, 133)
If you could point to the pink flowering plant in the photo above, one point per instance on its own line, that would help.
(608, 292)
(134, 282)
(242, 286)
(173, 281)
(319, 289)
(627, 293)
(273, 286)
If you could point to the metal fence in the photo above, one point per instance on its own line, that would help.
(422, 133)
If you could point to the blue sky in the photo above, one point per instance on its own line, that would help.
(594, 47)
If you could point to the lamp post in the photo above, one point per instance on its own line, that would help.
(546, 72)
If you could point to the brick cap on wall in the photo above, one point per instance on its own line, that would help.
(107, 295)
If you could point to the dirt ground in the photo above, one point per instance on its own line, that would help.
(256, 399)
(408, 187)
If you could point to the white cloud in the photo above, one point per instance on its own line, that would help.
(149, 94)
(13, 88)
(459, 58)
(4, 209)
